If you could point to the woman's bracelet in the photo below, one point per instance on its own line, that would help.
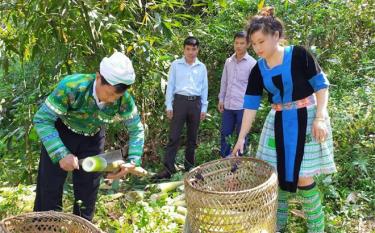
(320, 119)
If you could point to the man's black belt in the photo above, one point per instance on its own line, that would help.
(185, 97)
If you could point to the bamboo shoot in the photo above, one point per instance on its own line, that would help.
(165, 187)
(94, 164)
(100, 164)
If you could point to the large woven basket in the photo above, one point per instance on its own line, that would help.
(47, 222)
(232, 195)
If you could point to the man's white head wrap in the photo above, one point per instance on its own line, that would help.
(117, 69)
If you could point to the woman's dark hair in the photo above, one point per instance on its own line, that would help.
(266, 21)
(241, 34)
(191, 40)
(119, 88)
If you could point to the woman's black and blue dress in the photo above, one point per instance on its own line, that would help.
(286, 141)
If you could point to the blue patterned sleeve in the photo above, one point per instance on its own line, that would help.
(135, 129)
(44, 122)
(254, 89)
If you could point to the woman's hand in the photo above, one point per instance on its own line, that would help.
(238, 147)
(247, 121)
(319, 129)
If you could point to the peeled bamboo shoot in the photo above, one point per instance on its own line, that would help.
(181, 210)
(179, 218)
(179, 203)
(165, 187)
(180, 197)
(138, 171)
(94, 164)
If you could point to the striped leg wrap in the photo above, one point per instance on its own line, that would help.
(312, 206)
(282, 209)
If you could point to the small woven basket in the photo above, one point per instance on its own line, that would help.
(232, 195)
(47, 222)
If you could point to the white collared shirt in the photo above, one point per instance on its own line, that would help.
(98, 103)
(189, 80)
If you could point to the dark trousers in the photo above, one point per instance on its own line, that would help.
(231, 121)
(184, 111)
(51, 177)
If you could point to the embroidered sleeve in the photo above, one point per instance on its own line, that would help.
(135, 129)
(44, 121)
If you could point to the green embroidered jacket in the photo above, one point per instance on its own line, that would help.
(73, 102)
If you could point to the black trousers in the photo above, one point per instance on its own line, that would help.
(185, 110)
(51, 177)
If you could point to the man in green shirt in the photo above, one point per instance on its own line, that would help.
(70, 124)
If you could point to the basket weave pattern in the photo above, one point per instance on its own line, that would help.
(232, 195)
(47, 222)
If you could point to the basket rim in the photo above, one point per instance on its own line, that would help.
(272, 177)
(50, 213)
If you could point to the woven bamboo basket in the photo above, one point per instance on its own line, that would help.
(232, 195)
(47, 222)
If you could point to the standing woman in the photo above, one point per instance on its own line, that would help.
(296, 138)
